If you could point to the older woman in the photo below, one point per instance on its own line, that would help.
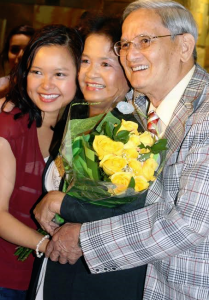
(103, 83)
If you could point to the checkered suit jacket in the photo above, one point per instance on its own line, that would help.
(171, 233)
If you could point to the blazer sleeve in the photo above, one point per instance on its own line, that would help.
(177, 222)
(78, 211)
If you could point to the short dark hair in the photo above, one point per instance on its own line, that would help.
(99, 23)
(48, 35)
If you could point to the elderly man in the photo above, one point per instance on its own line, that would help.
(170, 234)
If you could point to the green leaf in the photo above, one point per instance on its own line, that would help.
(92, 164)
(142, 146)
(58, 219)
(109, 127)
(79, 126)
(159, 146)
(131, 183)
(109, 118)
(85, 160)
(144, 156)
(72, 130)
(76, 146)
(122, 136)
(24, 255)
(117, 127)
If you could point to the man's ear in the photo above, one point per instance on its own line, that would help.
(187, 46)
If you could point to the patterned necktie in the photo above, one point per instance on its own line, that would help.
(152, 123)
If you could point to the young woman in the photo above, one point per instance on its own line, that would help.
(14, 47)
(102, 81)
(44, 83)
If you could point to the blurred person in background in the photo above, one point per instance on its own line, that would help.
(14, 47)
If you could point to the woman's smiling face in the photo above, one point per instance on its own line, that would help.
(51, 81)
(101, 76)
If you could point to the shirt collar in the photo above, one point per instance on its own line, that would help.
(168, 105)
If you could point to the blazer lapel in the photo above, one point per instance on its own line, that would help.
(140, 104)
(176, 130)
(188, 103)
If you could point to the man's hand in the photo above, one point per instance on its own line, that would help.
(64, 244)
(46, 209)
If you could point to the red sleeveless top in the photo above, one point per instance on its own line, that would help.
(28, 188)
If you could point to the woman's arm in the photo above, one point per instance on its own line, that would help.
(12, 229)
(77, 211)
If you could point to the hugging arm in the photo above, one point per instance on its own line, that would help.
(64, 246)
(163, 229)
(77, 211)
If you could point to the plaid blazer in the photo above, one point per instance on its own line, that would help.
(171, 233)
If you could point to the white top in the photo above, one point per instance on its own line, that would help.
(52, 178)
(52, 182)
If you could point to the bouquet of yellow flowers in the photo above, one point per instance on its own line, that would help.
(109, 165)
(107, 161)
(122, 158)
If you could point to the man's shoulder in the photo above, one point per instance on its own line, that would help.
(201, 75)
(197, 91)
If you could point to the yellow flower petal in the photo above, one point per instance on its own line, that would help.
(121, 180)
(140, 183)
(112, 164)
(129, 126)
(103, 145)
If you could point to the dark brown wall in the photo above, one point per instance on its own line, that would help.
(40, 12)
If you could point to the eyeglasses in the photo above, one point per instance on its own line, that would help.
(140, 42)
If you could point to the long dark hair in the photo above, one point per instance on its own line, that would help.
(21, 29)
(48, 35)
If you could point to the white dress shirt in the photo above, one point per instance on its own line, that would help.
(169, 103)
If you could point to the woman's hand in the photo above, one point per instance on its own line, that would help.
(8, 107)
(47, 208)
